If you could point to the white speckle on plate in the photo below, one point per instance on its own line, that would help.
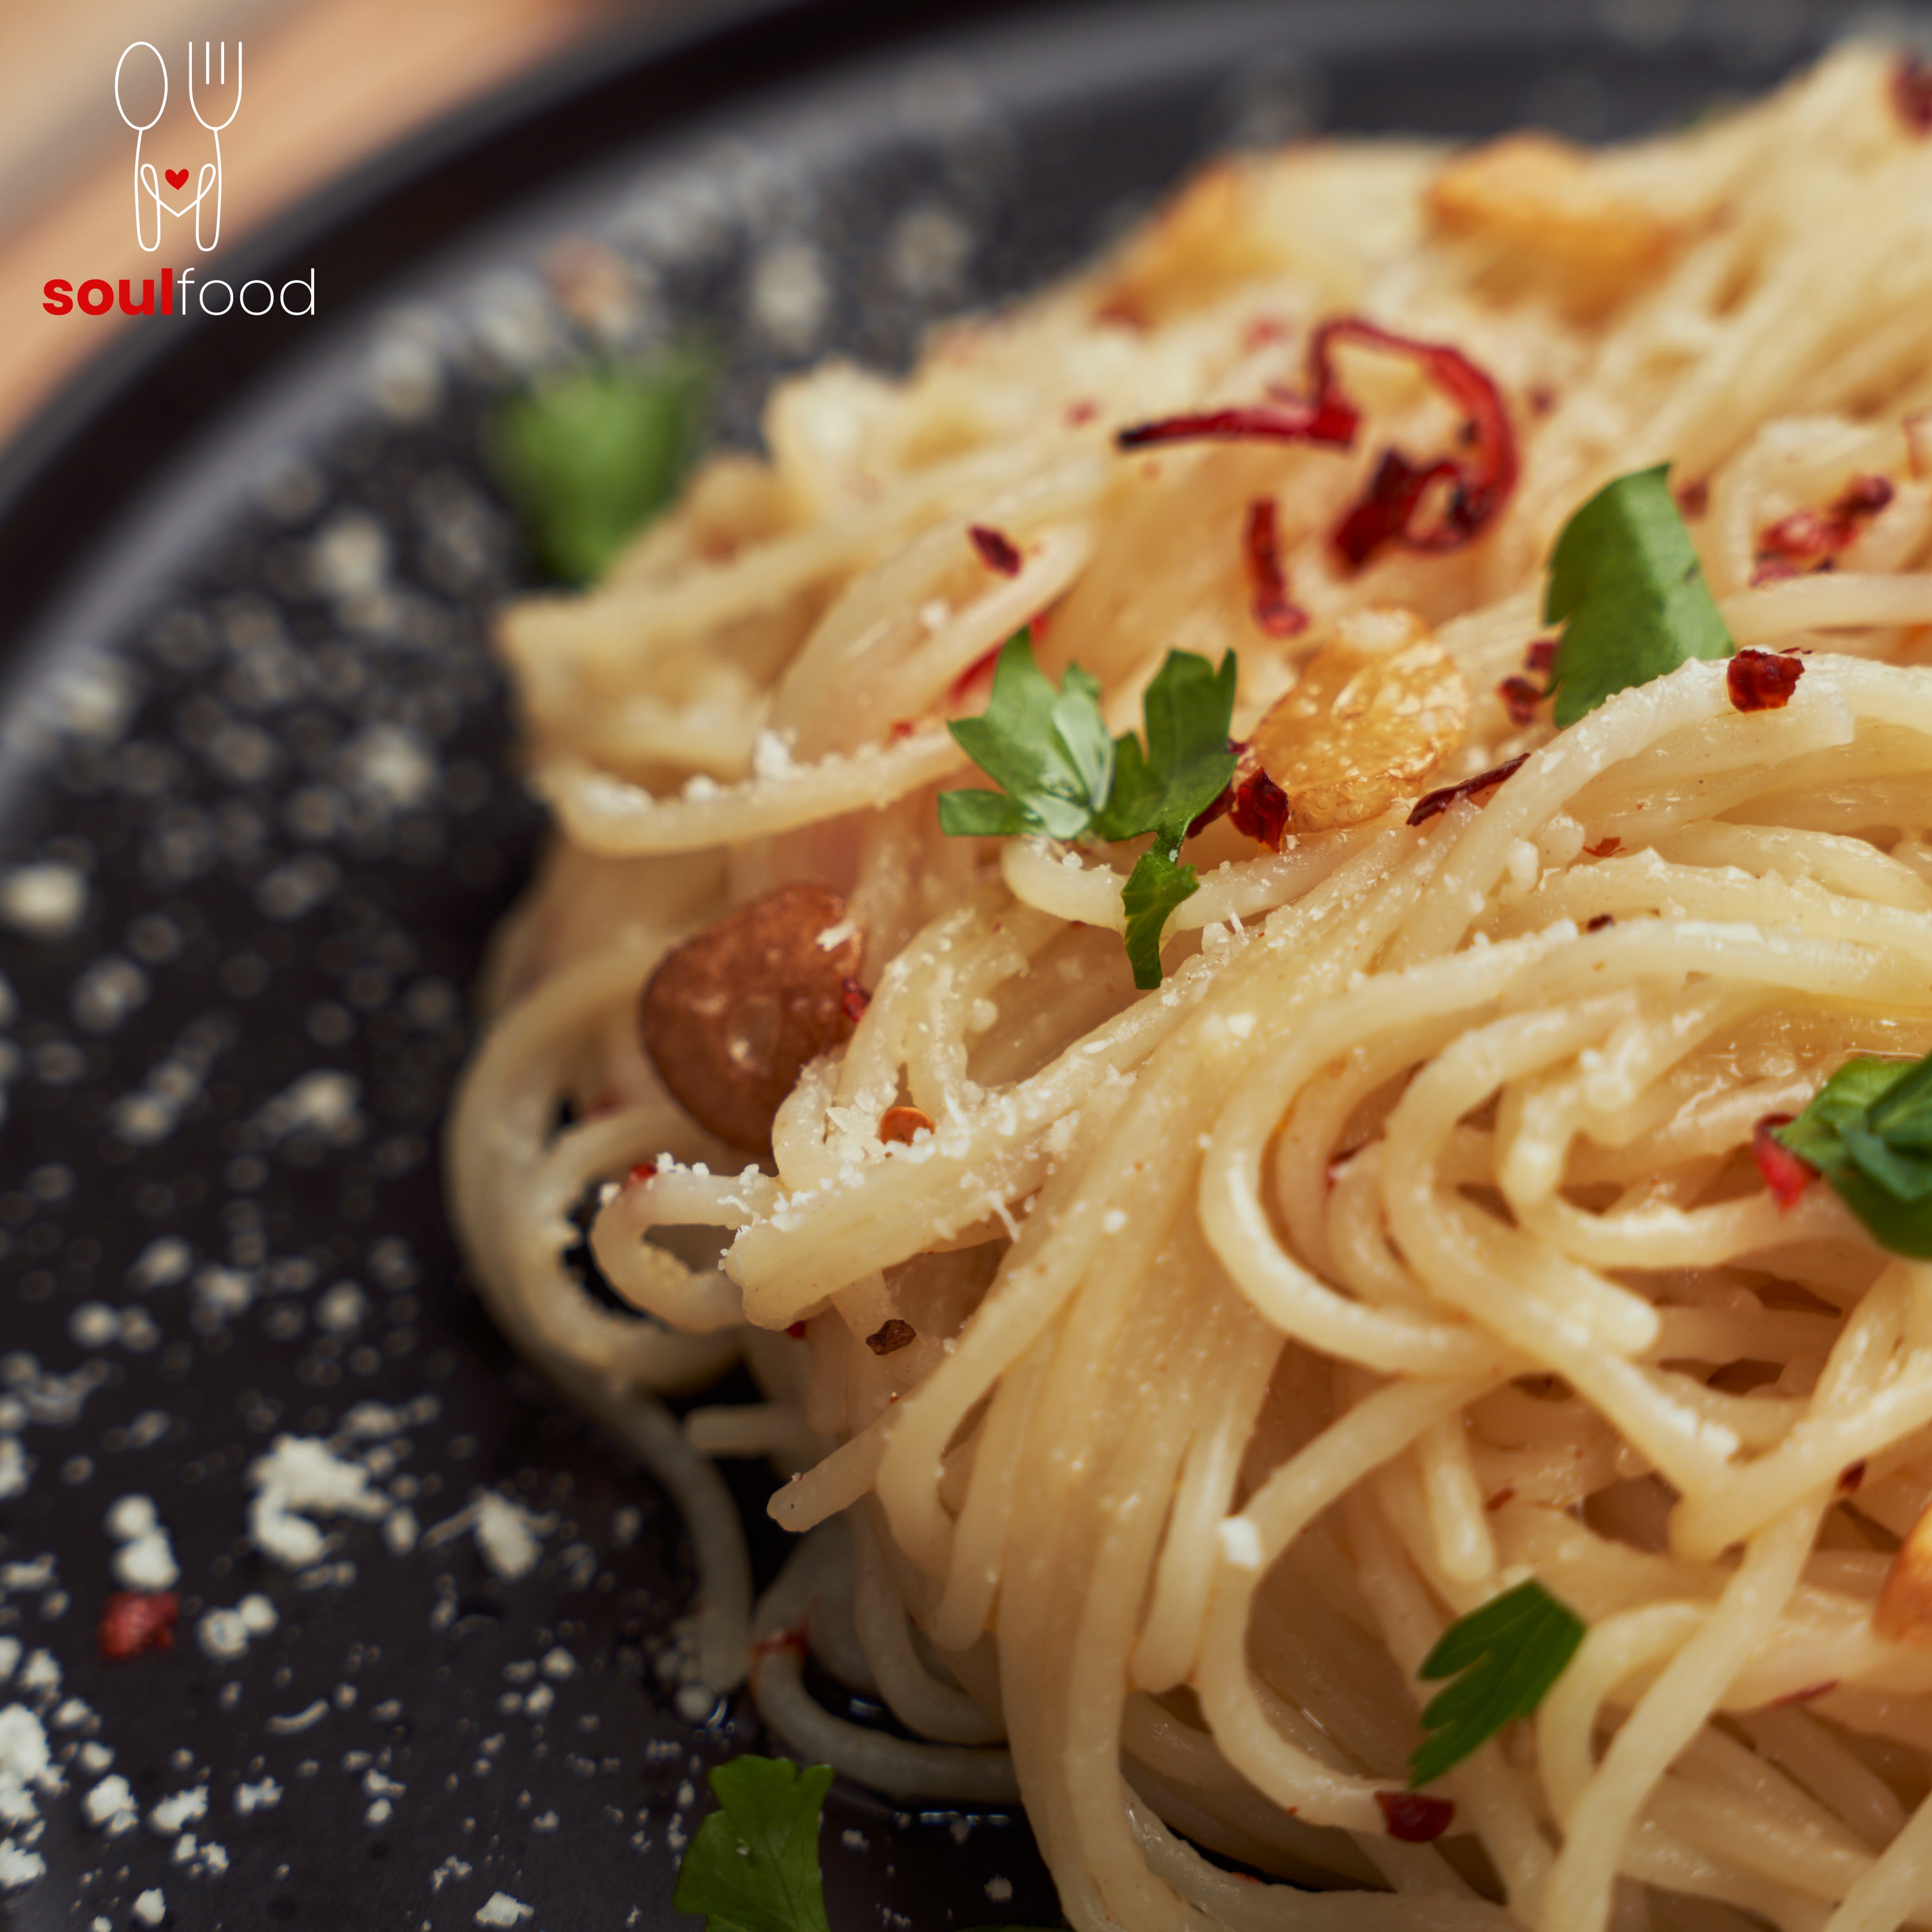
(500, 1908)
(46, 901)
(151, 1908)
(109, 1807)
(15, 1469)
(170, 1814)
(161, 1263)
(1000, 1890)
(249, 1799)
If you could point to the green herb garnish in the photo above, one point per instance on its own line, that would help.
(1047, 750)
(1061, 777)
(1503, 1658)
(588, 455)
(1625, 575)
(753, 1866)
(1868, 1130)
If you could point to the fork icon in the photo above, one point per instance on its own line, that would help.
(213, 81)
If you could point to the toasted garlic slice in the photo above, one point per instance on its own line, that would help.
(1547, 196)
(1903, 1613)
(1374, 711)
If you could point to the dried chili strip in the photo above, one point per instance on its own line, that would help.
(1469, 484)
(1275, 612)
(1432, 803)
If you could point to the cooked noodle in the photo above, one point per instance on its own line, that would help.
(1407, 1242)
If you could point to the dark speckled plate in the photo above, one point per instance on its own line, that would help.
(257, 815)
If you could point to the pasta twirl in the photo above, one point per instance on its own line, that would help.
(1179, 1364)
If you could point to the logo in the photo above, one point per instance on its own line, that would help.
(213, 75)
(213, 96)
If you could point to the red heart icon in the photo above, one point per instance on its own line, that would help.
(177, 178)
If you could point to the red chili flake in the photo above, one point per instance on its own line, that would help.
(1912, 93)
(1762, 680)
(978, 673)
(1805, 1696)
(1541, 658)
(1414, 1817)
(1428, 806)
(1040, 623)
(1520, 698)
(1260, 810)
(1851, 1477)
(796, 1331)
(1276, 613)
(853, 1000)
(1694, 499)
(1604, 847)
(1785, 1173)
(134, 1620)
(1864, 497)
(1263, 330)
(902, 728)
(1599, 921)
(1507, 1495)
(645, 1170)
(1540, 398)
(892, 1336)
(997, 551)
(1811, 539)
(1084, 411)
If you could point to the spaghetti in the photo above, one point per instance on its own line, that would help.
(1163, 1372)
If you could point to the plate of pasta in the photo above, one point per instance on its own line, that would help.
(1179, 770)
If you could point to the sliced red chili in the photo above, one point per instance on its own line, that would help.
(1428, 806)
(1277, 613)
(1762, 680)
(1475, 480)
(1784, 1173)
(1414, 1816)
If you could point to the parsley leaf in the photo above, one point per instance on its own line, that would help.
(1625, 576)
(589, 455)
(1048, 750)
(1187, 710)
(1868, 1130)
(1060, 775)
(1503, 1658)
(1156, 886)
(754, 1865)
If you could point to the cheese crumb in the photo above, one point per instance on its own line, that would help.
(151, 1908)
(500, 1908)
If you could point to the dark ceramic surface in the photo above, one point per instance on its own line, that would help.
(248, 570)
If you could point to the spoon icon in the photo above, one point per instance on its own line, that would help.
(144, 171)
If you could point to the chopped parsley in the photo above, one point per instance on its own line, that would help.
(1625, 577)
(753, 1866)
(1061, 777)
(1504, 1658)
(1868, 1130)
(589, 455)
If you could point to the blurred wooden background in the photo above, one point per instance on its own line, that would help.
(327, 83)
